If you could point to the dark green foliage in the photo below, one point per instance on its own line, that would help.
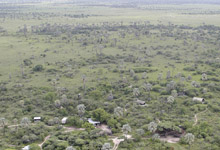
(27, 62)
(38, 68)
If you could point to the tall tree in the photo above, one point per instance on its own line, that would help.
(3, 124)
(25, 122)
(136, 92)
(57, 103)
(170, 101)
(84, 82)
(144, 75)
(70, 148)
(118, 111)
(148, 87)
(81, 109)
(106, 146)
(126, 129)
(159, 78)
(204, 77)
(64, 100)
(189, 138)
(174, 93)
(168, 74)
(152, 127)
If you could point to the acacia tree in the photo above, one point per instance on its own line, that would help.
(81, 109)
(189, 138)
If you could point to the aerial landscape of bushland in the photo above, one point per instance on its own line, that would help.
(109, 75)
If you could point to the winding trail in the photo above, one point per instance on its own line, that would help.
(170, 139)
(45, 139)
(67, 129)
(117, 141)
(196, 116)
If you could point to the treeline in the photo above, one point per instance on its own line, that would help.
(122, 1)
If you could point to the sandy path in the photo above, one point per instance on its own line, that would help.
(170, 139)
(67, 129)
(196, 116)
(70, 129)
(45, 139)
(116, 142)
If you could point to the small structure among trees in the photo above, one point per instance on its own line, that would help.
(63, 121)
(37, 119)
(26, 147)
(95, 123)
(202, 100)
(140, 102)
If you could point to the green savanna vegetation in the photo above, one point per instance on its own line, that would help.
(133, 66)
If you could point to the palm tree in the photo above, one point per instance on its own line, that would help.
(64, 100)
(170, 101)
(132, 73)
(136, 92)
(106, 146)
(15, 121)
(155, 136)
(3, 124)
(118, 111)
(57, 103)
(168, 74)
(174, 93)
(159, 77)
(110, 96)
(204, 77)
(144, 75)
(148, 87)
(70, 148)
(84, 82)
(81, 109)
(25, 122)
(152, 127)
(54, 83)
(126, 129)
(189, 138)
